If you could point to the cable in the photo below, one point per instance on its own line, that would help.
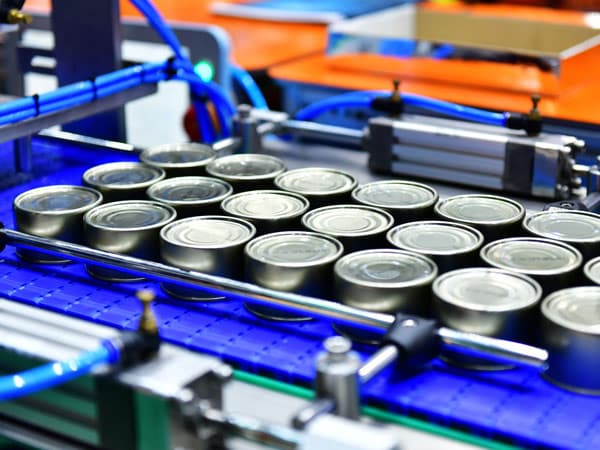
(55, 373)
(364, 98)
(249, 86)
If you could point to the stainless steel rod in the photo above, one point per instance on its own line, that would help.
(377, 362)
(318, 130)
(218, 286)
(490, 348)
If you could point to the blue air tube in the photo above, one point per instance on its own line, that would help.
(55, 373)
(247, 83)
(364, 98)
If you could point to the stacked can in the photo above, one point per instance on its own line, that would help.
(581, 229)
(268, 210)
(122, 180)
(451, 245)
(592, 270)
(191, 196)
(357, 227)
(489, 302)
(247, 171)
(53, 212)
(406, 201)
(179, 160)
(388, 281)
(496, 217)
(321, 186)
(295, 261)
(128, 227)
(209, 244)
(571, 334)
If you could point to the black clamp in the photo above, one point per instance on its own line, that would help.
(171, 70)
(415, 337)
(392, 104)
(530, 122)
(591, 203)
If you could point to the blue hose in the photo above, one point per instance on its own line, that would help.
(247, 83)
(55, 373)
(364, 98)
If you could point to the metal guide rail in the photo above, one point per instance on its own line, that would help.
(486, 402)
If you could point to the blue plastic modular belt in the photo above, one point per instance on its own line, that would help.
(515, 406)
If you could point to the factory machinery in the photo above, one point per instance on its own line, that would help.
(95, 364)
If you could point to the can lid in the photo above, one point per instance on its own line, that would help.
(247, 166)
(481, 209)
(348, 220)
(294, 249)
(575, 308)
(592, 270)
(435, 237)
(58, 199)
(482, 289)
(265, 204)
(181, 191)
(123, 175)
(396, 194)
(570, 226)
(316, 181)
(386, 268)
(188, 154)
(130, 215)
(208, 232)
(532, 256)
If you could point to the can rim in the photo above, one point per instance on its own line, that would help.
(484, 254)
(587, 269)
(487, 308)
(474, 231)
(150, 192)
(548, 313)
(328, 259)
(515, 219)
(19, 199)
(163, 222)
(212, 167)
(422, 281)
(147, 153)
(303, 200)
(251, 232)
(528, 219)
(353, 181)
(310, 214)
(161, 174)
(435, 196)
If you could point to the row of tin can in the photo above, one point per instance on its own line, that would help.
(344, 243)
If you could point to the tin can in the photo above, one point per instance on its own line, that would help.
(592, 270)
(571, 334)
(191, 196)
(451, 245)
(496, 217)
(357, 227)
(490, 302)
(53, 212)
(179, 160)
(247, 171)
(581, 229)
(129, 227)
(209, 244)
(269, 211)
(406, 201)
(387, 281)
(321, 186)
(293, 261)
(120, 181)
(553, 264)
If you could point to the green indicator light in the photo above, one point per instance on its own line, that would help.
(205, 70)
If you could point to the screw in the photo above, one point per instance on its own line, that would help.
(337, 345)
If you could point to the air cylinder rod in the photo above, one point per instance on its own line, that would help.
(496, 349)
